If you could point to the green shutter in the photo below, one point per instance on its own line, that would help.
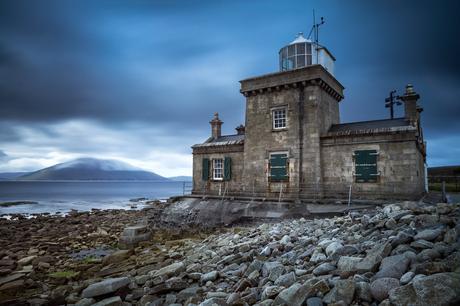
(278, 167)
(366, 166)
(227, 168)
(205, 169)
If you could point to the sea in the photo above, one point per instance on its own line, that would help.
(63, 196)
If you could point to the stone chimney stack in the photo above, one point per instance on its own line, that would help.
(216, 125)
(240, 129)
(411, 109)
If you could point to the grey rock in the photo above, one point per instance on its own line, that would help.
(106, 286)
(85, 302)
(343, 290)
(317, 256)
(213, 302)
(111, 301)
(348, 264)
(393, 266)
(314, 301)
(374, 257)
(210, 276)
(324, 268)
(363, 291)
(171, 270)
(333, 247)
(290, 296)
(406, 278)
(427, 254)
(428, 234)
(286, 280)
(436, 289)
(271, 291)
(380, 287)
(422, 244)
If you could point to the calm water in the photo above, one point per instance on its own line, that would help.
(55, 197)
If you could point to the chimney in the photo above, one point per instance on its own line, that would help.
(411, 109)
(216, 126)
(240, 129)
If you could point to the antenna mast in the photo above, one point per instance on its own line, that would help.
(391, 101)
(315, 31)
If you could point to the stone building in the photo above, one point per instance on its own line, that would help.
(293, 145)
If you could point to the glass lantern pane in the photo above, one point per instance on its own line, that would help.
(308, 48)
(301, 48)
(291, 50)
(300, 61)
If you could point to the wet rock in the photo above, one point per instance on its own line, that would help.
(381, 287)
(26, 260)
(437, 289)
(106, 286)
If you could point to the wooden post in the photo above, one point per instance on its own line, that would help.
(444, 197)
(349, 196)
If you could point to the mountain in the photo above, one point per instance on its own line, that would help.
(92, 169)
(181, 178)
(6, 176)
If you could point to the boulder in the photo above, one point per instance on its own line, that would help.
(393, 266)
(111, 301)
(343, 290)
(290, 296)
(406, 278)
(428, 234)
(374, 257)
(116, 257)
(270, 292)
(210, 276)
(348, 264)
(286, 280)
(106, 286)
(171, 270)
(363, 291)
(437, 289)
(380, 287)
(324, 268)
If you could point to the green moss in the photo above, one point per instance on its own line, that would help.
(64, 274)
(91, 260)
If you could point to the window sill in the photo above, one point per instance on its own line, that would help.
(279, 130)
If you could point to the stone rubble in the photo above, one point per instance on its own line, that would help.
(405, 253)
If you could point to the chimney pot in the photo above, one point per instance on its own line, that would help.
(240, 129)
(216, 125)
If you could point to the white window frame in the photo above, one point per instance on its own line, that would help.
(276, 118)
(218, 169)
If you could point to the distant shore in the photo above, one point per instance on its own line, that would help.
(14, 203)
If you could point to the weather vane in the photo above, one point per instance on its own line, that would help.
(391, 101)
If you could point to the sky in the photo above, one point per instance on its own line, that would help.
(138, 81)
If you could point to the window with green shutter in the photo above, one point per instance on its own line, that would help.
(278, 167)
(205, 169)
(366, 166)
(227, 168)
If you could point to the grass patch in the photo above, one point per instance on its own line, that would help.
(91, 260)
(64, 274)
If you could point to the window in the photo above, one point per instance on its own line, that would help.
(278, 167)
(366, 166)
(217, 169)
(279, 118)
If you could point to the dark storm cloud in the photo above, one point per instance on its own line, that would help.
(168, 65)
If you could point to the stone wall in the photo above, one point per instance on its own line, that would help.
(399, 162)
(235, 152)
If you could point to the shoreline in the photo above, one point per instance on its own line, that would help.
(76, 259)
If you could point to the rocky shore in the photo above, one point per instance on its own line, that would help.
(400, 254)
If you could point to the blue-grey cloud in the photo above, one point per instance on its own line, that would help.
(169, 65)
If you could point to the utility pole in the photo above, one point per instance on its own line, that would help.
(391, 101)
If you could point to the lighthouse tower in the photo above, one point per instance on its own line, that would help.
(303, 52)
